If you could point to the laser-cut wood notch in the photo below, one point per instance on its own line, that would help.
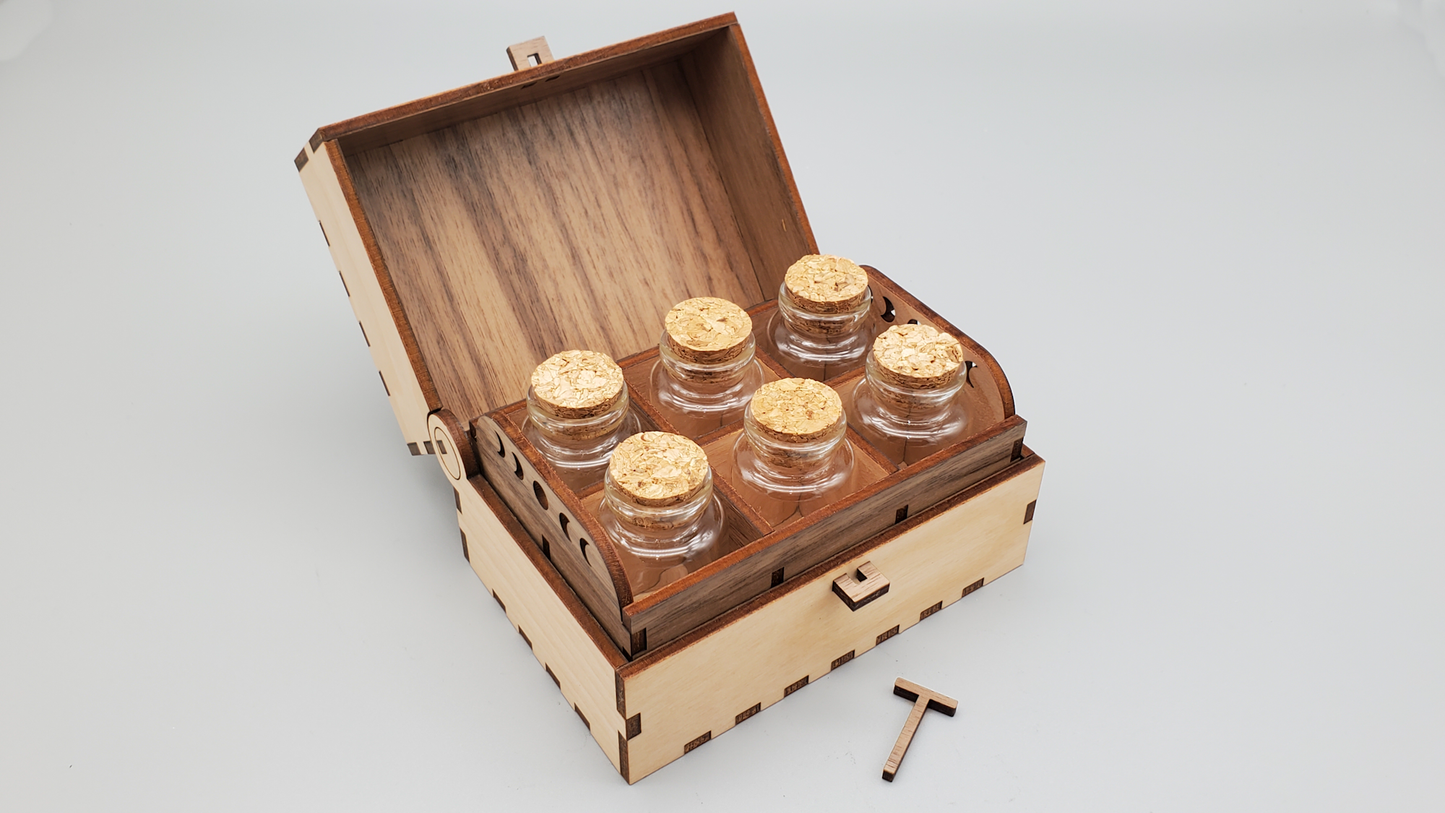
(923, 700)
(866, 585)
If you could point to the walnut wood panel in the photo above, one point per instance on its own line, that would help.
(519, 87)
(574, 222)
(563, 636)
(343, 232)
(572, 547)
(765, 199)
(599, 554)
(683, 605)
(711, 679)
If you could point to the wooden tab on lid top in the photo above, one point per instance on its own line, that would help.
(797, 410)
(825, 283)
(708, 330)
(522, 54)
(577, 384)
(658, 469)
(918, 357)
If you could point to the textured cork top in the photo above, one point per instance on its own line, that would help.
(707, 329)
(577, 384)
(824, 283)
(796, 410)
(658, 469)
(917, 356)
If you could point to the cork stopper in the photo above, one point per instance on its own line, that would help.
(796, 410)
(825, 283)
(577, 384)
(708, 330)
(658, 469)
(917, 357)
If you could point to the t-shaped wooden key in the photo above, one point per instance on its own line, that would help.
(923, 700)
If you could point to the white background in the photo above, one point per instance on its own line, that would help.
(1205, 240)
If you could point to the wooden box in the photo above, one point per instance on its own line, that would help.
(567, 205)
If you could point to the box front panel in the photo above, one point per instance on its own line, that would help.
(708, 682)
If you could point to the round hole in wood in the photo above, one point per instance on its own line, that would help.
(584, 551)
(501, 447)
(563, 521)
(912, 321)
(518, 472)
(540, 494)
(888, 313)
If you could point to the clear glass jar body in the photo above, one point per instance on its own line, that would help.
(579, 448)
(661, 545)
(820, 345)
(904, 423)
(785, 481)
(698, 397)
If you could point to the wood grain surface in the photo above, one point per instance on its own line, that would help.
(518, 88)
(525, 233)
(890, 496)
(562, 634)
(712, 678)
(568, 206)
(683, 605)
(351, 247)
(561, 542)
(735, 113)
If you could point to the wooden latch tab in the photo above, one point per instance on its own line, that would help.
(923, 700)
(523, 53)
(868, 585)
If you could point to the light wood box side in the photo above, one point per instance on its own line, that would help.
(692, 690)
(345, 230)
(561, 633)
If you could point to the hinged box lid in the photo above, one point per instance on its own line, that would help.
(564, 205)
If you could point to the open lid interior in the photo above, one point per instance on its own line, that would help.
(571, 204)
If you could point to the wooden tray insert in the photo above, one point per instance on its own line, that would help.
(762, 557)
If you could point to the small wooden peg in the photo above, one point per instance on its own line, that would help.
(522, 53)
(923, 700)
(862, 587)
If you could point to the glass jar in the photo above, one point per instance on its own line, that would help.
(909, 403)
(577, 413)
(659, 507)
(793, 456)
(822, 328)
(706, 369)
